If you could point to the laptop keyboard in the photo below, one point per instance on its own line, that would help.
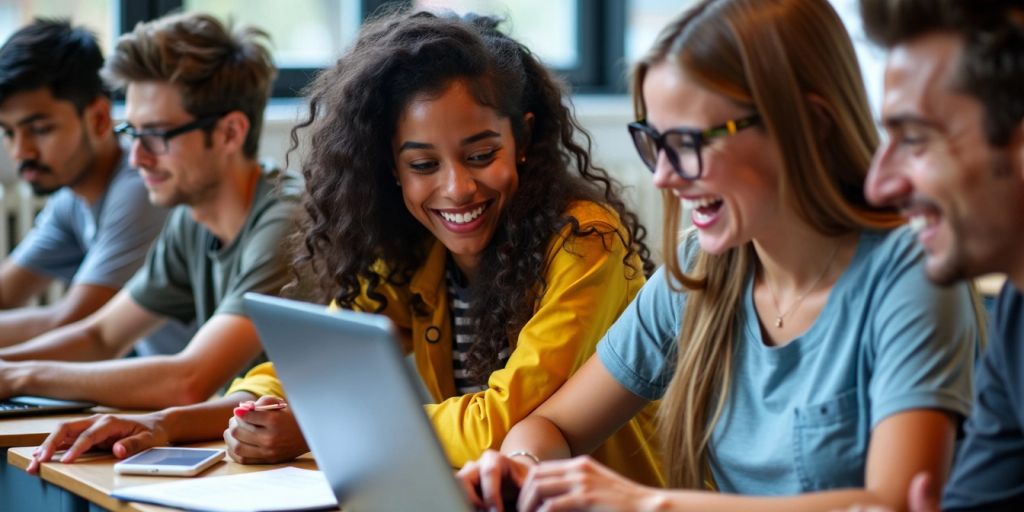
(7, 405)
(16, 406)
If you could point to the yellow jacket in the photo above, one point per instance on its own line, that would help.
(588, 286)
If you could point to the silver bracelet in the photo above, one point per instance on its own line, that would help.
(524, 453)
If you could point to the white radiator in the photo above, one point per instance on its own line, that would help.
(19, 207)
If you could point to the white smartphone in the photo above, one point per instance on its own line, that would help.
(170, 461)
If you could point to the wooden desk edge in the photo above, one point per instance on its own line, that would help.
(32, 430)
(16, 440)
(20, 458)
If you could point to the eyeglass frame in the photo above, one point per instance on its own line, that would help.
(204, 122)
(701, 139)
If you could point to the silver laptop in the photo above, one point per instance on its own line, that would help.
(19, 406)
(357, 405)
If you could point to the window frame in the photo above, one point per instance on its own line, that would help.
(600, 70)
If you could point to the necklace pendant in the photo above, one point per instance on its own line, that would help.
(778, 322)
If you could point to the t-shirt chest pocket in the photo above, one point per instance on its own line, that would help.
(829, 449)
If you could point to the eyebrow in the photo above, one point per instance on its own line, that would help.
(39, 116)
(898, 120)
(486, 134)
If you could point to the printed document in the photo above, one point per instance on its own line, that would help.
(262, 491)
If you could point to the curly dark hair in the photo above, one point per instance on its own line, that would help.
(354, 212)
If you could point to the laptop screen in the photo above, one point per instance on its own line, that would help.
(357, 405)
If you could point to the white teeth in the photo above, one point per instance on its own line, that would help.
(700, 202)
(700, 218)
(463, 218)
(918, 222)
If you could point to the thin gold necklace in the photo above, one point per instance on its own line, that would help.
(792, 307)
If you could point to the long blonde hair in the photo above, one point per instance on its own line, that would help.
(791, 61)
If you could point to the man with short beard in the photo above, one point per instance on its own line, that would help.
(97, 225)
(954, 163)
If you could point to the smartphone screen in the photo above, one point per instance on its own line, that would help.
(170, 461)
(171, 457)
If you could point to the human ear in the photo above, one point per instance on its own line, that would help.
(96, 117)
(235, 127)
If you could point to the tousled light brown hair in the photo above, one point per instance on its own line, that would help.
(791, 61)
(216, 67)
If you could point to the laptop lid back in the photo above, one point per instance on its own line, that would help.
(357, 405)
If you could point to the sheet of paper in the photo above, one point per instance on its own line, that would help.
(263, 491)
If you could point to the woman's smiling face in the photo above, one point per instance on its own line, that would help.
(736, 199)
(456, 163)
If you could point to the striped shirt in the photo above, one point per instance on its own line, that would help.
(462, 331)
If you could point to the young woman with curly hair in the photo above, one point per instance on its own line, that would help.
(447, 188)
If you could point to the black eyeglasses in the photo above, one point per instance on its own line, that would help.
(155, 141)
(682, 146)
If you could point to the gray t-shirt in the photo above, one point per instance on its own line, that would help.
(189, 276)
(100, 244)
(799, 417)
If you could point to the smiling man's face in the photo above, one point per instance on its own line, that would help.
(965, 196)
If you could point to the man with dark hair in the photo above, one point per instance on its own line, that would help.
(954, 163)
(195, 94)
(97, 226)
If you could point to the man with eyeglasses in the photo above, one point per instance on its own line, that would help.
(195, 94)
(97, 225)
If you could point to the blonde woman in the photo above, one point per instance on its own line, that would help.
(803, 359)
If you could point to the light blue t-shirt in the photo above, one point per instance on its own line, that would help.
(101, 244)
(799, 417)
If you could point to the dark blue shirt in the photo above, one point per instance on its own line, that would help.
(989, 473)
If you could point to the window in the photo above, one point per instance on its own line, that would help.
(591, 43)
(871, 57)
(552, 37)
(305, 33)
(98, 15)
(644, 22)
(570, 36)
